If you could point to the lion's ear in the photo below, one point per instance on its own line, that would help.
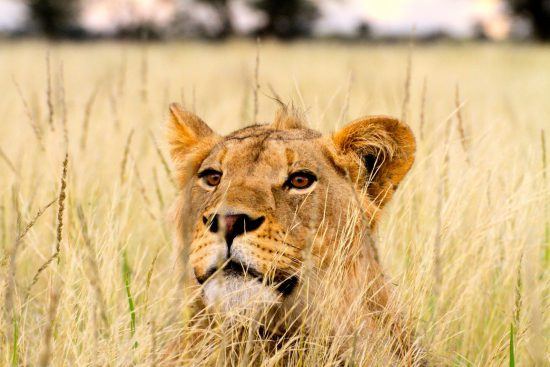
(382, 151)
(185, 130)
(190, 139)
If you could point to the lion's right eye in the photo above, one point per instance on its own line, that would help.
(211, 177)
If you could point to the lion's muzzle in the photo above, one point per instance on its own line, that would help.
(283, 283)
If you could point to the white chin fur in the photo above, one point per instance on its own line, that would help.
(237, 294)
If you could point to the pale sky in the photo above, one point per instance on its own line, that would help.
(339, 16)
(13, 14)
(399, 16)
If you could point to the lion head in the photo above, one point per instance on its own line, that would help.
(259, 202)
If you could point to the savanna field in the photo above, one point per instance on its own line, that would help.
(90, 274)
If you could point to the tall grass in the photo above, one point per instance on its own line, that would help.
(479, 205)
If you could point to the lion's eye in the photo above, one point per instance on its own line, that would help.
(300, 180)
(211, 177)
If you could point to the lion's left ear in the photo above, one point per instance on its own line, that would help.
(382, 151)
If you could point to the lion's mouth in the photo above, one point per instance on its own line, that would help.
(235, 268)
(283, 283)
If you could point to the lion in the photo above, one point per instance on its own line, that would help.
(265, 213)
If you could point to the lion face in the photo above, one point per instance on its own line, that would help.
(256, 203)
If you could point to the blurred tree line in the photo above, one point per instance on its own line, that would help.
(285, 19)
(537, 12)
(53, 18)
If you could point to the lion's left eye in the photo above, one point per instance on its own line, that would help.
(211, 177)
(300, 180)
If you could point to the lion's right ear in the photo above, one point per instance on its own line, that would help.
(190, 139)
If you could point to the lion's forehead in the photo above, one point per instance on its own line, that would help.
(266, 131)
(268, 152)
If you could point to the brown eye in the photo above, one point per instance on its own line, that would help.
(300, 180)
(211, 177)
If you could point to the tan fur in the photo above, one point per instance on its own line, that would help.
(255, 163)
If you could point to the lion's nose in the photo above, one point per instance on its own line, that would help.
(233, 225)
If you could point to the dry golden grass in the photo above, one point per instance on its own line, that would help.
(466, 238)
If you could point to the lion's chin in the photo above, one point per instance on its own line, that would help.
(238, 295)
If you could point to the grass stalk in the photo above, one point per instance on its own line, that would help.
(49, 92)
(256, 88)
(345, 109)
(543, 154)
(122, 74)
(422, 122)
(194, 99)
(438, 241)
(149, 277)
(32, 121)
(245, 101)
(407, 85)
(95, 275)
(144, 72)
(127, 275)
(86, 118)
(518, 295)
(4, 229)
(114, 109)
(153, 353)
(163, 160)
(460, 120)
(158, 190)
(512, 353)
(125, 156)
(143, 193)
(46, 355)
(8, 161)
(546, 204)
(63, 103)
(15, 342)
(33, 221)
(59, 231)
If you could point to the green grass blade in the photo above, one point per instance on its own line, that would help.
(126, 273)
(512, 352)
(15, 350)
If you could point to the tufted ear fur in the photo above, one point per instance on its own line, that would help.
(382, 149)
(190, 141)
